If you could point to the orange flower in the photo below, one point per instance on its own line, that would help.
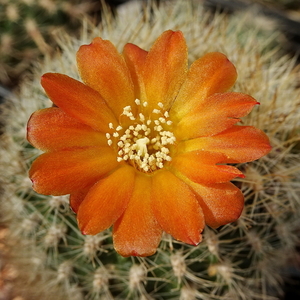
(143, 143)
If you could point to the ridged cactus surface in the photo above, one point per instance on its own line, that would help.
(239, 261)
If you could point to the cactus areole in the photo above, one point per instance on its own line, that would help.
(143, 143)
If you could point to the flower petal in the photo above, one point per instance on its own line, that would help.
(240, 144)
(52, 129)
(104, 69)
(176, 208)
(210, 74)
(66, 171)
(201, 167)
(135, 59)
(106, 201)
(165, 69)
(78, 100)
(137, 232)
(77, 197)
(222, 203)
(220, 112)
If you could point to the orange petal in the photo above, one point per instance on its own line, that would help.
(137, 232)
(66, 171)
(135, 59)
(78, 100)
(76, 198)
(176, 208)
(220, 112)
(240, 144)
(210, 74)
(222, 203)
(165, 69)
(52, 129)
(104, 69)
(201, 167)
(106, 201)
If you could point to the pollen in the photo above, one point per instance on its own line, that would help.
(145, 142)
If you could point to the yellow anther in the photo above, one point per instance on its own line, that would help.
(141, 144)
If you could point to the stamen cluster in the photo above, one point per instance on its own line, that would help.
(144, 143)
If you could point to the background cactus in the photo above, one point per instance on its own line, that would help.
(27, 27)
(41, 243)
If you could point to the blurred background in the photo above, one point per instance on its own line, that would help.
(27, 26)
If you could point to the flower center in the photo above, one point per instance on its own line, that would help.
(144, 143)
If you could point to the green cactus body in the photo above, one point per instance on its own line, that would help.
(242, 260)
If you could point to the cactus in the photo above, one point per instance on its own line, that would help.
(27, 27)
(242, 260)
